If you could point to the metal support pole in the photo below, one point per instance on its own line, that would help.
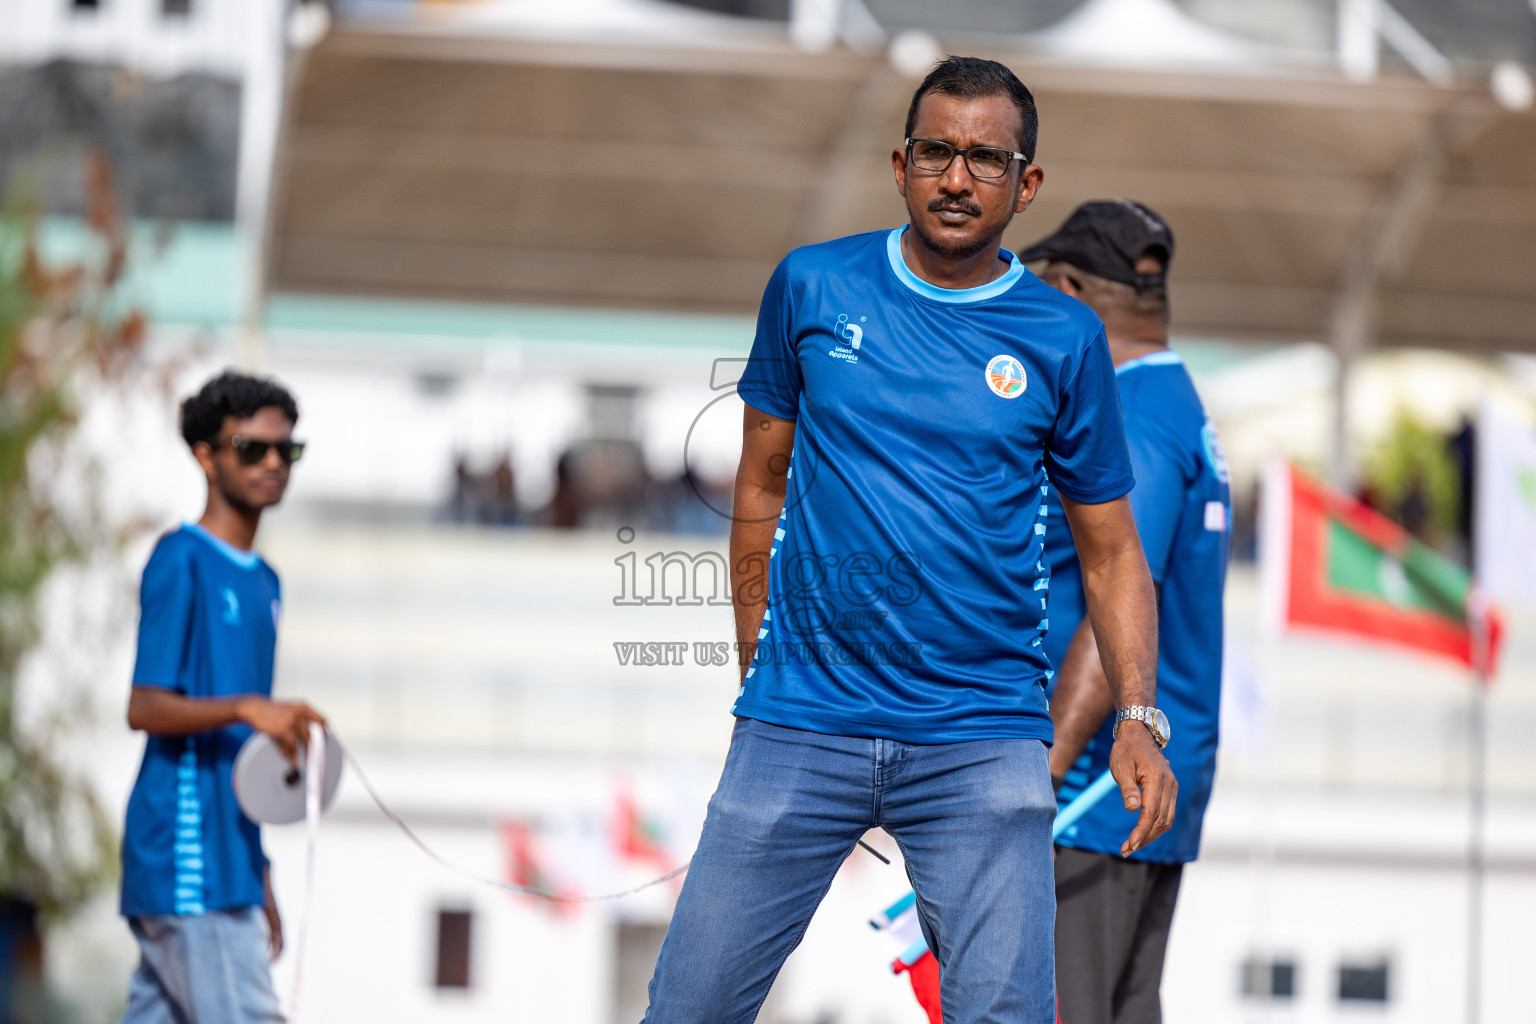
(1381, 248)
(261, 97)
(1377, 255)
(272, 71)
(1475, 869)
(833, 209)
(1477, 801)
(1350, 335)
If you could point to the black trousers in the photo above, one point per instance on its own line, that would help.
(1112, 920)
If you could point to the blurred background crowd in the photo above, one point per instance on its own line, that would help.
(507, 255)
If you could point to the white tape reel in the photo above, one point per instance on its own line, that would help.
(270, 789)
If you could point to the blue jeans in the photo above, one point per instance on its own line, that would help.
(973, 821)
(202, 969)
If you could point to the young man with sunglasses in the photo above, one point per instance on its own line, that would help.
(197, 889)
(906, 394)
(1113, 913)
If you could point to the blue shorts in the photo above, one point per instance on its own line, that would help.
(202, 969)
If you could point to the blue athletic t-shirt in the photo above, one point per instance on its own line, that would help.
(907, 583)
(207, 628)
(1182, 508)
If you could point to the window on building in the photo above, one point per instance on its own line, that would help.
(638, 945)
(1365, 983)
(1269, 978)
(454, 930)
(176, 8)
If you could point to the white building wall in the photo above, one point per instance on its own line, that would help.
(474, 671)
(1322, 879)
(135, 34)
(1318, 904)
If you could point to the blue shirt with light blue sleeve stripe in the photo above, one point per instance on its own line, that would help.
(1183, 511)
(906, 585)
(207, 628)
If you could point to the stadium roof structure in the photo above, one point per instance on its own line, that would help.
(630, 154)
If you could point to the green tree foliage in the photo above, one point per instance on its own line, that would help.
(64, 334)
(1412, 477)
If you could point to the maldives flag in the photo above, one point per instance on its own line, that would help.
(637, 837)
(924, 972)
(917, 962)
(525, 862)
(1332, 562)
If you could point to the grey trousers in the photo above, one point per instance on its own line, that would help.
(1112, 920)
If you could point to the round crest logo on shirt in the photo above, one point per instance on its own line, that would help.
(1005, 376)
(1215, 457)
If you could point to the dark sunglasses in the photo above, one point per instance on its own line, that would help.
(251, 452)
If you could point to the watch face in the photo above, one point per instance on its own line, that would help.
(1161, 726)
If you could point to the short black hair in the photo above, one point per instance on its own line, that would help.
(231, 394)
(972, 77)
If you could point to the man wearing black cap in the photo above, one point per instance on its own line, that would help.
(1113, 912)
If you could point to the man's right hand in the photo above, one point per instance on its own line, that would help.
(287, 722)
(1147, 784)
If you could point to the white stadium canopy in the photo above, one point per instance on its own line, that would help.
(632, 153)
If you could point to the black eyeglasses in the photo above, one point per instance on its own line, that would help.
(251, 452)
(981, 161)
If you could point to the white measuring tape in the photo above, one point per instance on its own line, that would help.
(273, 791)
(526, 890)
(314, 783)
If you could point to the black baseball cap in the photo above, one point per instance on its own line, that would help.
(1105, 238)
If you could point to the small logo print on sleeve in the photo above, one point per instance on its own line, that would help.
(1215, 517)
(1215, 457)
(231, 607)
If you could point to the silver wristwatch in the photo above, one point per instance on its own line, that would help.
(1155, 721)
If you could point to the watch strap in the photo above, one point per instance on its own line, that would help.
(1140, 713)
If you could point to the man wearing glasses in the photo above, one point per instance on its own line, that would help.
(197, 890)
(907, 392)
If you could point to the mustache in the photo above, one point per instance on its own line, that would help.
(960, 203)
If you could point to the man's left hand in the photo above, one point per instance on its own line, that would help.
(1146, 784)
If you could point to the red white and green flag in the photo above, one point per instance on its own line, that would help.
(1331, 562)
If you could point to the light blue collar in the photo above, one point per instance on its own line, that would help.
(990, 290)
(1168, 358)
(244, 559)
